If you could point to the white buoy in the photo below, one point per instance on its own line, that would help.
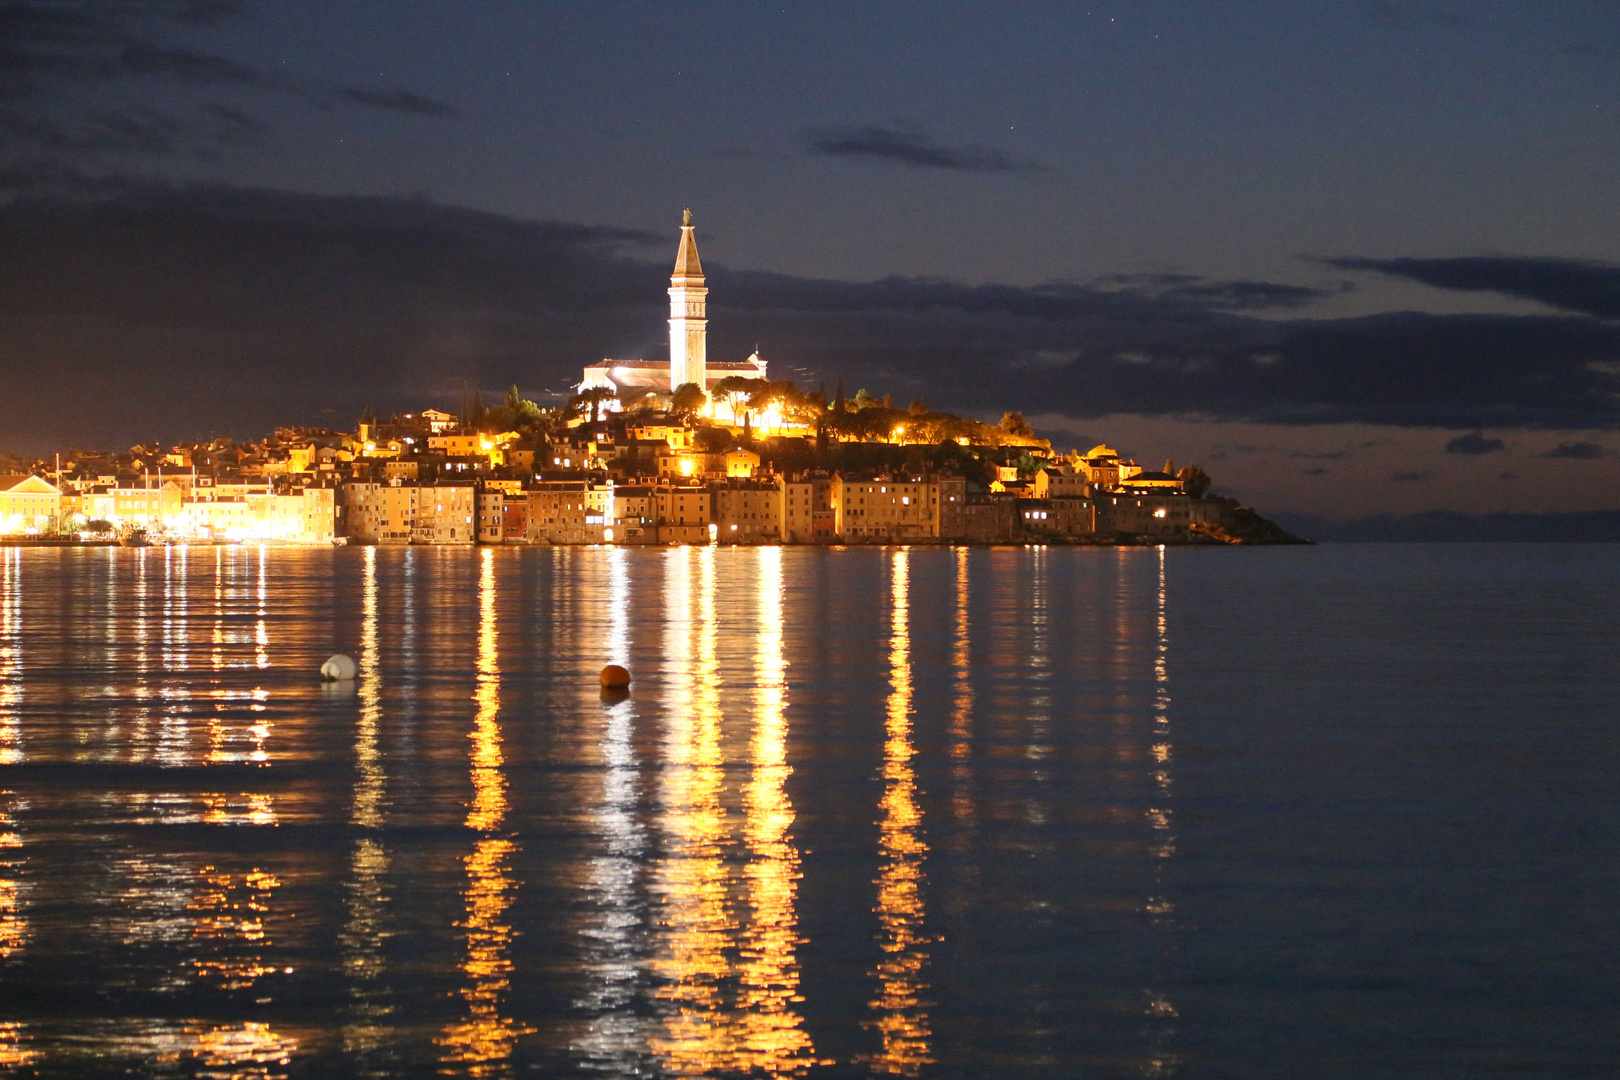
(339, 669)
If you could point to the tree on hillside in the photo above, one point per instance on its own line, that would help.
(1014, 424)
(687, 400)
(785, 395)
(1195, 480)
(524, 413)
(589, 402)
(735, 391)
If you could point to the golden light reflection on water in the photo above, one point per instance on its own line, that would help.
(1159, 907)
(13, 924)
(15, 1051)
(483, 1043)
(261, 635)
(246, 1051)
(615, 1037)
(695, 876)
(773, 1036)
(963, 893)
(365, 900)
(229, 912)
(962, 700)
(729, 962)
(692, 880)
(10, 654)
(902, 1015)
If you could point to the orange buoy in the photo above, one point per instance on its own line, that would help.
(615, 677)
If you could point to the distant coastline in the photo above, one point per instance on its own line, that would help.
(1448, 526)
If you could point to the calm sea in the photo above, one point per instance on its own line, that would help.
(1332, 811)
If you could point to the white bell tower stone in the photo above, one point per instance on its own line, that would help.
(688, 315)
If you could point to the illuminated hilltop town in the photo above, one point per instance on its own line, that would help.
(683, 451)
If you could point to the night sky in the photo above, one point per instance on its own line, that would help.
(1353, 257)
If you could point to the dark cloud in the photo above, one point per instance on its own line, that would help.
(897, 146)
(1217, 295)
(88, 90)
(1408, 477)
(1474, 443)
(1577, 451)
(396, 100)
(1590, 288)
(186, 310)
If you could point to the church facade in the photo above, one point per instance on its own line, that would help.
(688, 340)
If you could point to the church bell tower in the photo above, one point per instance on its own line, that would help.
(688, 315)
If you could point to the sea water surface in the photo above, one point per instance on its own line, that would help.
(1336, 811)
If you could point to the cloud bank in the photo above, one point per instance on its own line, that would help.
(1576, 285)
(1474, 443)
(174, 311)
(89, 89)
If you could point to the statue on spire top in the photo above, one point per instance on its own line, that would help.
(686, 218)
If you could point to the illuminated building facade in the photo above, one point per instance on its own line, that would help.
(635, 516)
(1164, 513)
(28, 504)
(409, 514)
(685, 515)
(748, 511)
(885, 509)
(569, 512)
(807, 513)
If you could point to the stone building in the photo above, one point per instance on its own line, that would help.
(409, 513)
(685, 515)
(748, 511)
(1148, 513)
(568, 512)
(885, 509)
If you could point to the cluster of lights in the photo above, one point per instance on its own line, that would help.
(16, 524)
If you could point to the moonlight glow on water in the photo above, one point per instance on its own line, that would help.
(948, 812)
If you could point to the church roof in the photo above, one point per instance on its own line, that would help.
(632, 364)
(688, 270)
(19, 483)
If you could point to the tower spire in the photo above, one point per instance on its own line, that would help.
(688, 314)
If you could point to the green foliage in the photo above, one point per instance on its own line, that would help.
(1027, 464)
(524, 414)
(713, 439)
(735, 385)
(1014, 424)
(1195, 480)
(687, 400)
(591, 399)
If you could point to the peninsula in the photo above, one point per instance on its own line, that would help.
(646, 451)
